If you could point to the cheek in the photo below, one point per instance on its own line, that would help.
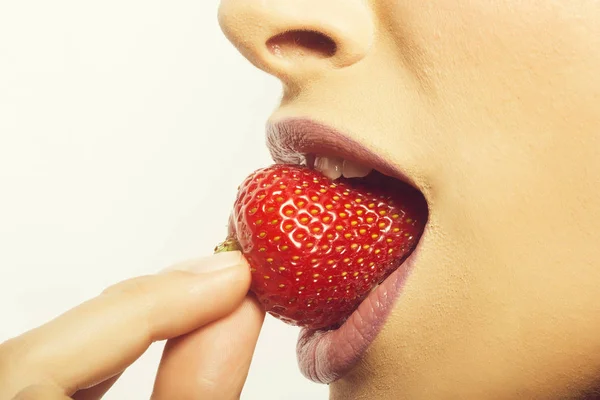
(488, 50)
(459, 33)
(510, 91)
(501, 84)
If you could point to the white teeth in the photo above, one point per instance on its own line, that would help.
(333, 168)
(354, 170)
(330, 167)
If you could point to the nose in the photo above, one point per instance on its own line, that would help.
(292, 39)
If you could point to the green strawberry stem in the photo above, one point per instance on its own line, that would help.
(228, 245)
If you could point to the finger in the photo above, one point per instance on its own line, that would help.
(101, 337)
(96, 392)
(41, 392)
(212, 362)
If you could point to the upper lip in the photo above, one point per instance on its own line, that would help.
(291, 140)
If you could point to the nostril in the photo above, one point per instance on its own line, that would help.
(302, 43)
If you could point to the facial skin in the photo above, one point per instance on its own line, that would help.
(492, 108)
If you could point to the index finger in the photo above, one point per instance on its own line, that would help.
(101, 337)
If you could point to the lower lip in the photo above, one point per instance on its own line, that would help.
(325, 356)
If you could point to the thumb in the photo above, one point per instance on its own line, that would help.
(213, 361)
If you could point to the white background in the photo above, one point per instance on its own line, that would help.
(125, 127)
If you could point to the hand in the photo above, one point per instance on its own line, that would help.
(201, 306)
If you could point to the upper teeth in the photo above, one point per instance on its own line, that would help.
(333, 168)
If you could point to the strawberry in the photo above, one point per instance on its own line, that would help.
(317, 247)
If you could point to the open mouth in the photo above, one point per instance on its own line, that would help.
(325, 355)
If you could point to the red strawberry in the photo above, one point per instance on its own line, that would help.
(317, 247)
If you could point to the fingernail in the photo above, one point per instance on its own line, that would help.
(212, 263)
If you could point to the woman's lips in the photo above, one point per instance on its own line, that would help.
(325, 356)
